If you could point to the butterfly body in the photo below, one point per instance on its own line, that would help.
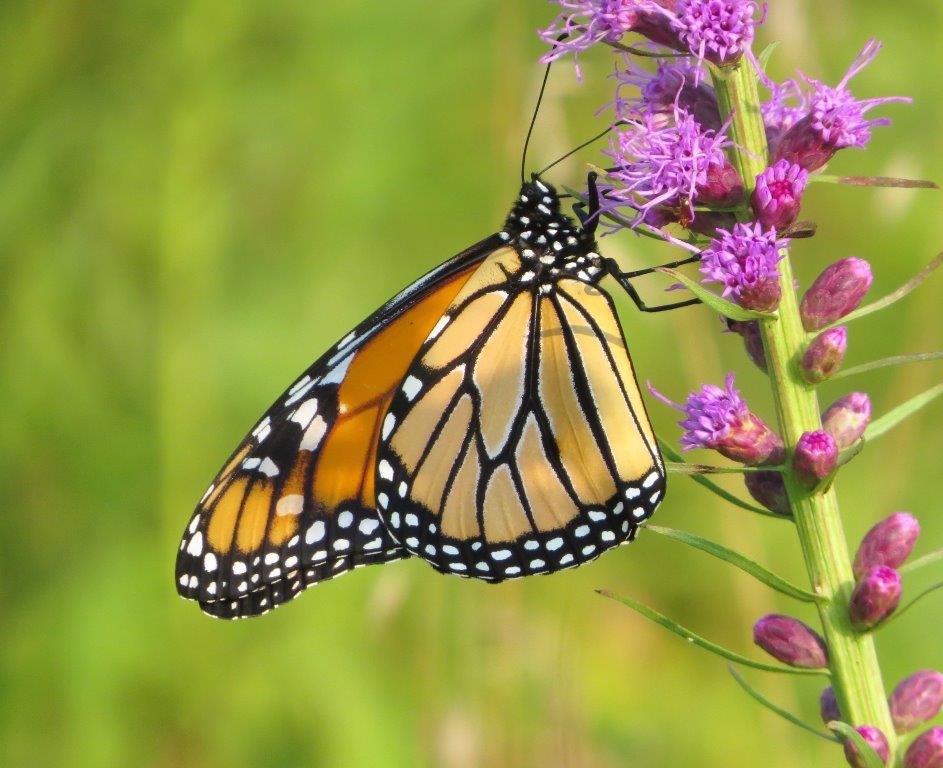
(486, 420)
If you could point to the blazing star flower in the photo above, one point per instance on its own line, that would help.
(834, 119)
(786, 106)
(584, 23)
(720, 419)
(778, 194)
(744, 261)
(719, 31)
(672, 86)
(663, 165)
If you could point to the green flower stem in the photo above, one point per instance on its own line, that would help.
(856, 675)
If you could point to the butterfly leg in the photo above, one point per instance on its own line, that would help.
(623, 279)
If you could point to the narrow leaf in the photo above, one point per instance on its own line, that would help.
(896, 415)
(850, 452)
(764, 57)
(691, 637)
(887, 362)
(683, 468)
(874, 181)
(894, 296)
(901, 611)
(920, 562)
(742, 562)
(870, 757)
(757, 696)
(642, 52)
(715, 302)
(716, 489)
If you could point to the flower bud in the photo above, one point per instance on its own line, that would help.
(828, 705)
(801, 145)
(847, 418)
(875, 597)
(825, 354)
(790, 641)
(916, 699)
(835, 293)
(926, 751)
(749, 331)
(875, 739)
(778, 195)
(889, 543)
(769, 490)
(815, 457)
(723, 188)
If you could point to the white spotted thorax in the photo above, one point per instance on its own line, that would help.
(551, 246)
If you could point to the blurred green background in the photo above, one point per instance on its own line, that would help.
(196, 198)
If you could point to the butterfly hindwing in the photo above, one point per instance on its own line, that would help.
(518, 442)
(295, 503)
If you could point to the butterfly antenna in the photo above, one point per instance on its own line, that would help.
(533, 121)
(576, 149)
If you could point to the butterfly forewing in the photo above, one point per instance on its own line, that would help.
(518, 442)
(295, 504)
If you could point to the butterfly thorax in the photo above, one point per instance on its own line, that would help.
(550, 243)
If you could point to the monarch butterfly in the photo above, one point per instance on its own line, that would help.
(486, 419)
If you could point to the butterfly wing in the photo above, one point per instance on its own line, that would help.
(518, 442)
(295, 503)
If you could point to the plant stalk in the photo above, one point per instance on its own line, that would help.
(856, 674)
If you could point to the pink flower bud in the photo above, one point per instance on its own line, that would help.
(916, 699)
(825, 355)
(847, 418)
(828, 705)
(875, 739)
(926, 751)
(769, 490)
(790, 641)
(835, 293)
(749, 331)
(723, 188)
(778, 195)
(875, 597)
(815, 457)
(889, 543)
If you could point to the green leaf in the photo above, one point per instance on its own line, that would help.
(895, 296)
(896, 415)
(764, 57)
(847, 732)
(691, 637)
(742, 562)
(874, 181)
(887, 362)
(901, 611)
(684, 468)
(920, 562)
(756, 695)
(715, 302)
(716, 489)
(850, 452)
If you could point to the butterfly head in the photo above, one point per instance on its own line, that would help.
(539, 229)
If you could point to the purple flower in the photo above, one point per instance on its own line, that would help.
(720, 419)
(663, 165)
(926, 751)
(847, 418)
(828, 705)
(672, 86)
(825, 354)
(874, 738)
(749, 331)
(834, 118)
(875, 597)
(769, 490)
(745, 262)
(790, 641)
(836, 292)
(583, 23)
(815, 457)
(888, 543)
(717, 30)
(778, 194)
(786, 106)
(916, 699)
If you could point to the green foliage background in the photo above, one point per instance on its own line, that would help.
(196, 198)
